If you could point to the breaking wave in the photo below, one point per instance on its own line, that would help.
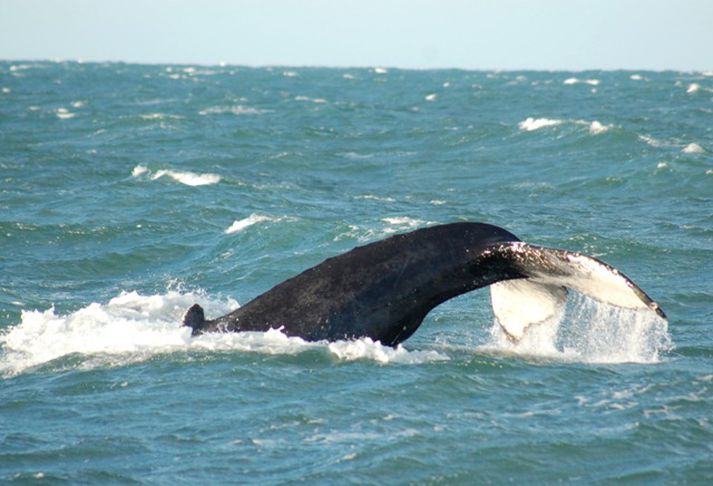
(184, 177)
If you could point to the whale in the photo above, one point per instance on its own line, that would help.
(384, 290)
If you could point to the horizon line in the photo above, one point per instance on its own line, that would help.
(707, 72)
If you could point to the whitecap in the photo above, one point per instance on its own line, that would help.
(595, 128)
(240, 225)
(693, 148)
(232, 109)
(290, 74)
(6, 90)
(347, 76)
(404, 221)
(693, 88)
(636, 77)
(431, 97)
(651, 141)
(138, 170)
(373, 197)
(64, 114)
(531, 124)
(188, 178)
(356, 155)
(592, 82)
(158, 116)
(20, 67)
(380, 70)
(313, 100)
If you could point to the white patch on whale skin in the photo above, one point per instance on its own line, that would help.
(520, 304)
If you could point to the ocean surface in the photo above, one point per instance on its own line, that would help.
(130, 192)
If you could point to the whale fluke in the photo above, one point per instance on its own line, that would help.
(385, 289)
(551, 272)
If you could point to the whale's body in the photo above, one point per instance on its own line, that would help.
(385, 289)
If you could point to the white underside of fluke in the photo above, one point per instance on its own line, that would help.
(541, 297)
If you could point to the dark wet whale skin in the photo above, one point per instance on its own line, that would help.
(383, 290)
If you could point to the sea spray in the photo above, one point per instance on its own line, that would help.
(132, 327)
(590, 332)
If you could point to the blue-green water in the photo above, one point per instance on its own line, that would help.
(128, 192)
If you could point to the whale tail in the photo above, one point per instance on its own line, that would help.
(194, 318)
(550, 273)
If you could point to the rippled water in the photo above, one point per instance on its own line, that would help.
(128, 193)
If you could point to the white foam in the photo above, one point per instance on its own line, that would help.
(404, 221)
(188, 178)
(693, 88)
(373, 197)
(348, 76)
(313, 100)
(232, 109)
(394, 225)
(157, 116)
(133, 327)
(431, 97)
(651, 141)
(240, 225)
(138, 170)
(64, 114)
(636, 77)
(20, 67)
(290, 74)
(595, 128)
(592, 82)
(367, 349)
(693, 148)
(380, 70)
(531, 124)
(591, 332)
(6, 90)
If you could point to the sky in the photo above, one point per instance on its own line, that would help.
(469, 34)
